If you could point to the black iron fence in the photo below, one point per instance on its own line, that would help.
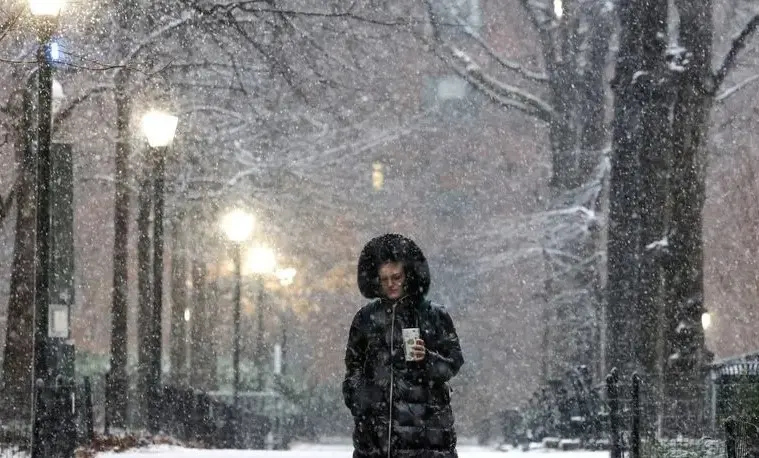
(623, 412)
(636, 419)
(65, 423)
(633, 419)
(192, 417)
(741, 438)
(568, 413)
(203, 419)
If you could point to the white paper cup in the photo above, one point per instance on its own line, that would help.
(409, 338)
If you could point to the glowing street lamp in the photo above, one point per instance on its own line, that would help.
(46, 8)
(159, 129)
(706, 320)
(261, 260)
(46, 13)
(237, 225)
(286, 276)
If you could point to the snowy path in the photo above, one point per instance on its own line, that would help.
(331, 451)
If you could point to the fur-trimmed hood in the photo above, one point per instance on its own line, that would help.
(393, 248)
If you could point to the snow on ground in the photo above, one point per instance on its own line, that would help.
(333, 451)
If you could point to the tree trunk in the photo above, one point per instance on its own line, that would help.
(19, 343)
(179, 303)
(145, 290)
(653, 147)
(578, 135)
(639, 132)
(594, 135)
(116, 389)
(125, 12)
(663, 104)
(576, 64)
(684, 387)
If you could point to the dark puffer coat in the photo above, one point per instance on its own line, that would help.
(409, 402)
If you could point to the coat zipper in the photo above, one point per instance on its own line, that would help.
(392, 383)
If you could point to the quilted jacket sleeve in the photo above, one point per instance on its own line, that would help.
(444, 358)
(355, 356)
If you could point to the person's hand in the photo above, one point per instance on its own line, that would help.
(418, 350)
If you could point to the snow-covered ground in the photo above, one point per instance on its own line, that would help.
(332, 451)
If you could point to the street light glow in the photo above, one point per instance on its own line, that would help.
(558, 8)
(46, 7)
(237, 225)
(286, 276)
(159, 128)
(260, 260)
(706, 320)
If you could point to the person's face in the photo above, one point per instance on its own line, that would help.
(392, 280)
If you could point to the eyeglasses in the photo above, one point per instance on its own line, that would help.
(393, 279)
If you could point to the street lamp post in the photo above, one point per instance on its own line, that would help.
(46, 14)
(236, 320)
(261, 261)
(286, 278)
(237, 225)
(260, 336)
(159, 129)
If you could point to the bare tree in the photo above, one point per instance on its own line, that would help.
(568, 94)
(664, 93)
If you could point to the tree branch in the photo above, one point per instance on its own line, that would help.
(732, 90)
(503, 93)
(154, 36)
(250, 6)
(506, 63)
(527, 73)
(66, 111)
(8, 25)
(738, 44)
(532, 7)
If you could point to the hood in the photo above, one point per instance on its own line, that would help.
(390, 248)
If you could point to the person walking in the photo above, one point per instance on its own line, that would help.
(401, 353)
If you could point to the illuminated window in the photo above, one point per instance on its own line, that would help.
(450, 96)
(455, 14)
(378, 176)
